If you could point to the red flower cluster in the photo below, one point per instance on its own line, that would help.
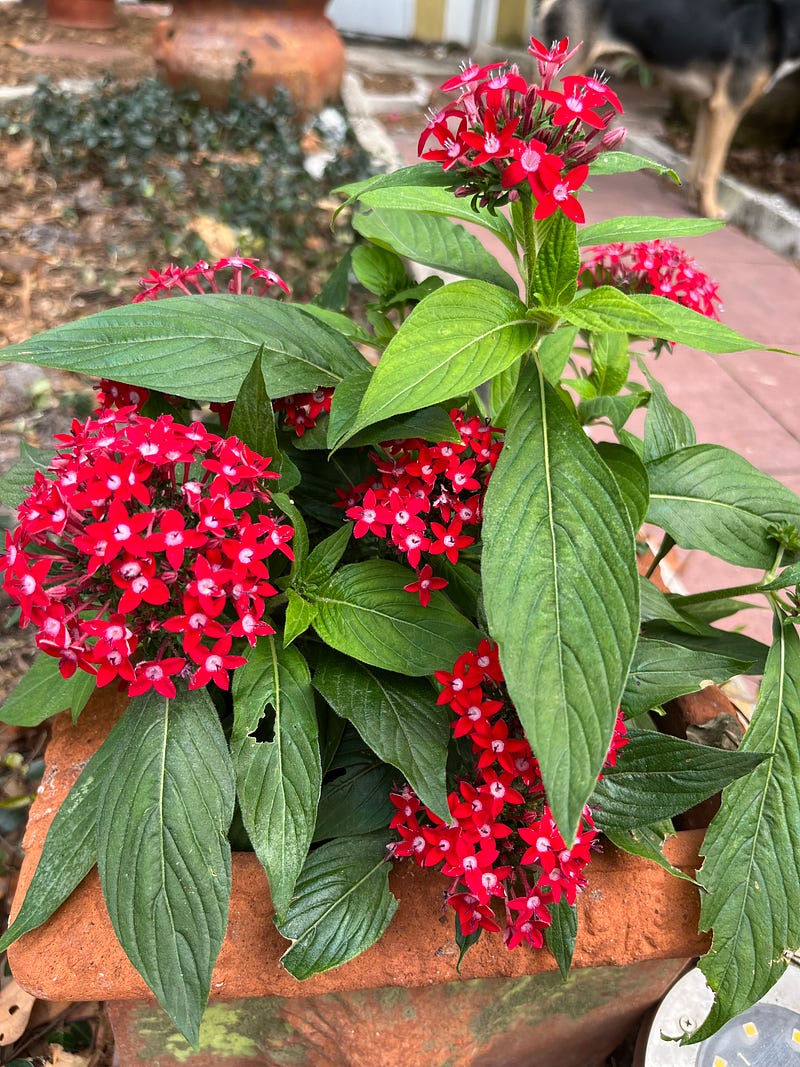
(301, 410)
(138, 559)
(501, 841)
(502, 134)
(427, 496)
(658, 267)
(201, 278)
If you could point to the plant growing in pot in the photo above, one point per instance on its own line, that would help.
(306, 577)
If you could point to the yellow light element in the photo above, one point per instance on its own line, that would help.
(750, 1029)
(796, 1037)
(719, 1062)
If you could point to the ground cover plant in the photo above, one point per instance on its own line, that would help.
(294, 560)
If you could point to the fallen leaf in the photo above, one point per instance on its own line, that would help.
(15, 1011)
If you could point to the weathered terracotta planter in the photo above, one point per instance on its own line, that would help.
(82, 14)
(290, 42)
(402, 1001)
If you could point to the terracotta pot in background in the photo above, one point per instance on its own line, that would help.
(400, 1002)
(82, 14)
(290, 43)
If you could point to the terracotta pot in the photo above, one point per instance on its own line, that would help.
(82, 14)
(634, 916)
(290, 43)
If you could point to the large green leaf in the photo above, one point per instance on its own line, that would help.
(667, 428)
(631, 477)
(710, 498)
(647, 842)
(69, 851)
(162, 850)
(434, 241)
(658, 777)
(397, 717)
(554, 279)
(645, 315)
(561, 591)
(457, 338)
(663, 669)
(365, 612)
(429, 423)
(356, 798)
(253, 421)
(432, 201)
(43, 691)
(341, 907)
(644, 228)
(198, 347)
(752, 892)
(426, 175)
(625, 163)
(611, 362)
(278, 782)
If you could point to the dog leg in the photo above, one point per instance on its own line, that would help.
(724, 116)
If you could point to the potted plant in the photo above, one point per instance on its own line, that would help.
(345, 566)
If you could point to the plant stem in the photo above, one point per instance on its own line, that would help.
(525, 232)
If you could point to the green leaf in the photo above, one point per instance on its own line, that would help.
(501, 393)
(16, 483)
(457, 338)
(666, 429)
(433, 241)
(663, 669)
(429, 423)
(658, 606)
(380, 271)
(69, 851)
(605, 309)
(752, 893)
(198, 347)
(561, 591)
(43, 692)
(647, 842)
(611, 362)
(658, 777)
(324, 560)
(342, 905)
(162, 848)
(644, 228)
(560, 936)
(299, 616)
(625, 163)
(430, 200)
(615, 409)
(343, 324)
(365, 612)
(253, 421)
(356, 799)
(335, 291)
(278, 782)
(425, 175)
(710, 498)
(555, 272)
(554, 352)
(630, 475)
(295, 518)
(397, 717)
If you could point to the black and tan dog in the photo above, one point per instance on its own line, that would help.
(727, 53)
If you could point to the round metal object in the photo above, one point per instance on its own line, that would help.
(767, 1035)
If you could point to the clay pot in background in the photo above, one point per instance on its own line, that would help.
(290, 43)
(82, 14)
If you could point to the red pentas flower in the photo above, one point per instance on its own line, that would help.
(503, 137)
(133, 571)
(501, 846)
(427, 498)
(658, 267)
